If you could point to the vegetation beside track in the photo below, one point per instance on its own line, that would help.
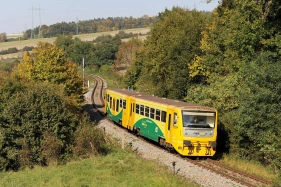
(119, 168)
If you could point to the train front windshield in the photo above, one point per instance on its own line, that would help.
(198, 119)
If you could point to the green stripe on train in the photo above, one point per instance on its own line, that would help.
(149, 129)
(116, 118)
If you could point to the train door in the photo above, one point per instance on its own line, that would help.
(113, 106)
(168, 125)
(132, 114)
(173, 130)
(126, 111)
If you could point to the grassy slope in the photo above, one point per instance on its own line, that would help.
(118, 169)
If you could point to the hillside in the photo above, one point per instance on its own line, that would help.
(84, 37)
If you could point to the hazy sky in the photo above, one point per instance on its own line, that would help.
(16, 15)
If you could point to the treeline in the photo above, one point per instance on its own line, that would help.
(91, 26)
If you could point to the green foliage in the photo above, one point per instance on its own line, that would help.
(9, 51)
(76, 50)
(257, 128)
(104, 52)
(33, 116)
(174, 42)
(27, 48)
(48, 64)
(64, 42)
(232, 39)
(90, 140)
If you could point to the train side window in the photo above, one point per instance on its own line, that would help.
(117, 105)
(137, 108)
(114, 104)
(134, 104)
(163, 116)
(169, 122)
(157, 117)
(110, 101)
(107, 97)
(152, 112)
(124, 104)
(147, 111)
(121, 102)
(175, 120)
(141, 110)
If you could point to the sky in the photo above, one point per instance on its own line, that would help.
(16, 15)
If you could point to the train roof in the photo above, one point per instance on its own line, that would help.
(164, 101)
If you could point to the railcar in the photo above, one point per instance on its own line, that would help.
(187, 128)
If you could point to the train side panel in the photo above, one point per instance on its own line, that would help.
(147, 119)
(117, 107)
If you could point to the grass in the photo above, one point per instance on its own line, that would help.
(116, 169)
(251, 167)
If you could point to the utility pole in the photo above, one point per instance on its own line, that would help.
(77, 26)
(32, 30)
(83, 64)
(40, 31)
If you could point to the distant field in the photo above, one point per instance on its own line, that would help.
(84, 37)
(13, 35)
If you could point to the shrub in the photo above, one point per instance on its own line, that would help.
(90, 140)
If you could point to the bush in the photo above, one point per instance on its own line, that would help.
(9, 51)
(36, 125)
(27, 48)
(89, 140)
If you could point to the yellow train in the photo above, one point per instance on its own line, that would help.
(188, 128)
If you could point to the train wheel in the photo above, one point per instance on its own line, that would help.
(138, 132)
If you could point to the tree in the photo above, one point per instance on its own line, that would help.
(33, 115)
(3, 37)
(105, 49)
(173, 44)
(125, 53)
(48, 64)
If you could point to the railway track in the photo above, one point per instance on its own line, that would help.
(216, 167)
(231, 173)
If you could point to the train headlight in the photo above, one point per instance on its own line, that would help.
(187, 143)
